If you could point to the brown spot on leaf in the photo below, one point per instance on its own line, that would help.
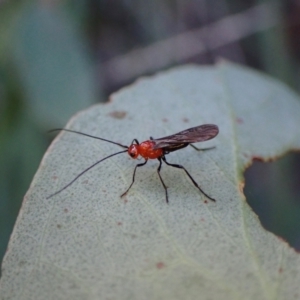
(264, 159)
(119, 223)
(257, 158)
(66, 210)
(281, 239)
(118, 114)
(160, 265)
(239, 120)
(241, 187)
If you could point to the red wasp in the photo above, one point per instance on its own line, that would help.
(156, 149)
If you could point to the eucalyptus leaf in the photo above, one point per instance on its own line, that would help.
(88, 243)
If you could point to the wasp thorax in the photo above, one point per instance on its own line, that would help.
(133, 151)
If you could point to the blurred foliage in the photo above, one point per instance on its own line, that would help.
(58, 57)
(273, 190)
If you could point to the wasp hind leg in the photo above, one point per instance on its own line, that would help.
(188, 174)
(203, 149)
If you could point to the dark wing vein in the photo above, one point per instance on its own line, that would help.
(192, 135)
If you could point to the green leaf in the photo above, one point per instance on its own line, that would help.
(88, 243)
(53, 64)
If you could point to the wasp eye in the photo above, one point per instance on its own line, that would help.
(133, 151)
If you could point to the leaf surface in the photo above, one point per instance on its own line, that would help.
(88, 243)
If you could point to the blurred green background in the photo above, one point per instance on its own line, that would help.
(58, 57)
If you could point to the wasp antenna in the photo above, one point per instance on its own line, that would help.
(88, 135)
(84, 171)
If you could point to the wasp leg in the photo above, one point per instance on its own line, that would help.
(203, 149)
(135, 141)
(133, 176)
(165, 187)
(188, 174)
